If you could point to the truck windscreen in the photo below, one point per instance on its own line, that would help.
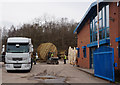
(17, 48)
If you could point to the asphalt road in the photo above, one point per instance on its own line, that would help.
(46, 73)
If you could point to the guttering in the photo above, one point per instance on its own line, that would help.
(86, 16)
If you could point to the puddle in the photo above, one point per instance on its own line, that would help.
(44, 77)
(47, 79)
(24, 77)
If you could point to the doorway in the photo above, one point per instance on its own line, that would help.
(91, 57)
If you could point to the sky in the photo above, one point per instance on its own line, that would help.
(16, 12)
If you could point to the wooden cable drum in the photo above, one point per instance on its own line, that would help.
(44, 49)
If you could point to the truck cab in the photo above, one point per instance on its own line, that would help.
(18, 54)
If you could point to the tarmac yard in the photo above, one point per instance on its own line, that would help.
(46, 73)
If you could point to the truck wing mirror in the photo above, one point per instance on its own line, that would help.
(32, 46)
(32, 49)
(3, 48)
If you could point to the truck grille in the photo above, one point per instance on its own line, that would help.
(17, 65)
(17, 59)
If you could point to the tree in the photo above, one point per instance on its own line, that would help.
(42, 30)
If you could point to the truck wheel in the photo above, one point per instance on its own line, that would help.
(29, 70)
(31, 66)
(57, 62)
(47, 62)
(54, 63)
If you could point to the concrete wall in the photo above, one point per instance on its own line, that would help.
(83, 40)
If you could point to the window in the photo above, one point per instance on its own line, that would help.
(100, 15)
(103, 34)
(100, 35)
(90, 38)
(107, 16)
(17, 47)
(78, 52)
(84, 51)
(91, 27)
(91, 56)
(100, 21)
(103, 25)
(103, 11)
(95, 24)
(91, 30)
(107, 31)
(95, 37)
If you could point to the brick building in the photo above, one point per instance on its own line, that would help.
(109, 29)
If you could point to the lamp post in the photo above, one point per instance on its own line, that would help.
(98, 22)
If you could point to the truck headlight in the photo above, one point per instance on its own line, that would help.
(27, 65)
(25, 58)
(8, 66)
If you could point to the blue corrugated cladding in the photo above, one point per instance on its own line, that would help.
(104, 63)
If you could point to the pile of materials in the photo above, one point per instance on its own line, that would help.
(72, 55)
(44, 49)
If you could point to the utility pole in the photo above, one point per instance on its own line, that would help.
(98, 22)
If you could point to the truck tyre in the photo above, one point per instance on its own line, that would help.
(57, 62)
(29, 70)
(47, 62)
(31, 66)
(54, 62)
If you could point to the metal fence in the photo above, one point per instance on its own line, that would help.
(104, 63)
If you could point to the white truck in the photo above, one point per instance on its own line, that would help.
(18, 54)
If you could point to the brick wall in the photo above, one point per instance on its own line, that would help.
(83, 40)
(119, 30)
(114, 29)
(84, 36)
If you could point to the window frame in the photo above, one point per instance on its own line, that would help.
(78, 54)
(84, 52)
(103, 20)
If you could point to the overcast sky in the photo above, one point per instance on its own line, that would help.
(15, 12)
